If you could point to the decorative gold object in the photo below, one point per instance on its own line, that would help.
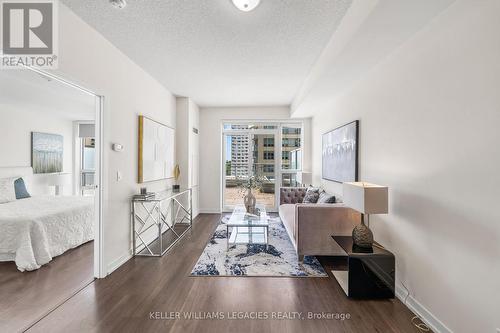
(177, 175)
(177, 172)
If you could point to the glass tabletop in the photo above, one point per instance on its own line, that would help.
(241, 218)
(162, 195)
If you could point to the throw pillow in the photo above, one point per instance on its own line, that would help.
(326, 198)
(20, 189)
(312, 195)
(7, 192)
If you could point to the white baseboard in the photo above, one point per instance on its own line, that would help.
(115, 264)
(427, 317)
(209, 211)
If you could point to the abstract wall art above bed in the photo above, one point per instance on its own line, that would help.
(46, 152)
(340, 153)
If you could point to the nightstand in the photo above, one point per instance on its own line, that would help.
(365, 273)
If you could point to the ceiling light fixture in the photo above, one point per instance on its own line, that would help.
(120, 4)
(246, 5)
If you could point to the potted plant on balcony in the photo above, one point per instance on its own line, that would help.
(246, 185)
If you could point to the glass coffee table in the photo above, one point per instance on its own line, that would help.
(248, 228)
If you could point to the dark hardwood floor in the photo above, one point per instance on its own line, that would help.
(26, 297)
(124, 301)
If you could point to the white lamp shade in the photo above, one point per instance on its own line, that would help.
(59, 179)
(366, 198)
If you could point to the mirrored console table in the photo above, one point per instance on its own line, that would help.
(159, 222)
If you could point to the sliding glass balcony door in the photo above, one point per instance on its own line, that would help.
(270, 151)
(291, 154)
(236, 168)
(264, 168)
(247, 155)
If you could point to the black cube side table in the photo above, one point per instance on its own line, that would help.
(370, 273)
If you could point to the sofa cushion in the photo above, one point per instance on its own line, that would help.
(287, 215)
(292, 195)
(312, 195)
(326, 198)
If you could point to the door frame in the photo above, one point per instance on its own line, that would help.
(99, 269)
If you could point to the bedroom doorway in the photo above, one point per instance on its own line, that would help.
(90, 180)
(52, 144)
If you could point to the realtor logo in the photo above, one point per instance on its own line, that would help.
(29, 33)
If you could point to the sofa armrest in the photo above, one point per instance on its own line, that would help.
(292, 195)
(316, 223)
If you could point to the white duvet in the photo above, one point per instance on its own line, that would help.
(35, 230)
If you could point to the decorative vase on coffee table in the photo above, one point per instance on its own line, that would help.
(249, 201)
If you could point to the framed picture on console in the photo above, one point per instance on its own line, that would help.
(340, 153)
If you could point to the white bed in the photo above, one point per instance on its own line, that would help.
(35, 230)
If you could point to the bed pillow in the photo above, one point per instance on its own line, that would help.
(312, 195)
(20, 189)
(7, 192)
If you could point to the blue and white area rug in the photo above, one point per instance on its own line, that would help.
(280, 259)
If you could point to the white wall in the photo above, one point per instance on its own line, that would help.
(187, 147)
(16, 124)
(88, 59)
(194, 155)
(182, 139)
(429, 129)
(211, 146)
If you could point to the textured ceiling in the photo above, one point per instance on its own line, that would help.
(371, 31)
(210, 51)
(27, 90)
